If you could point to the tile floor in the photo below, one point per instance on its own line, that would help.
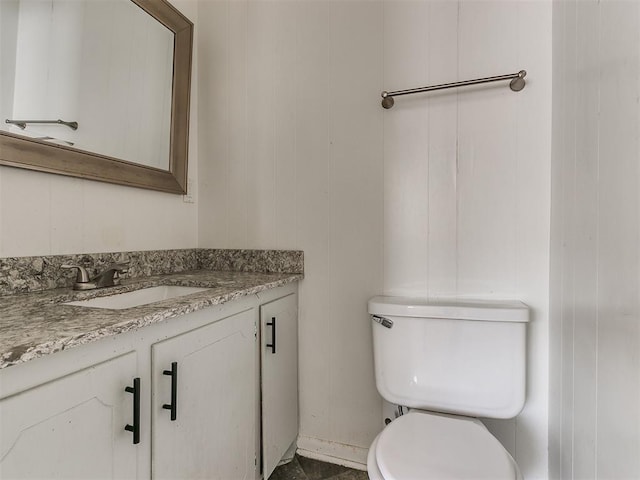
(301, 468)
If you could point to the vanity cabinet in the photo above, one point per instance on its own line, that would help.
(203, 401)
(212, 398)
(72, 425)
(279, 373)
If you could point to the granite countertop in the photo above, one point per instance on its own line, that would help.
(36, 324)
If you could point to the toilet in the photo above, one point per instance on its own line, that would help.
(447, 362)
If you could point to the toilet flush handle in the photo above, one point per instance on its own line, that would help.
(385, 322)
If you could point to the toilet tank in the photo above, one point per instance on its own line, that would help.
(457, 356)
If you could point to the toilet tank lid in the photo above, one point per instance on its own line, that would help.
(450, 308)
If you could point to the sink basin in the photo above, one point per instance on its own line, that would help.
(137, 298)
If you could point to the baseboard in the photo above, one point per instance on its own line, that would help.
(333, 452)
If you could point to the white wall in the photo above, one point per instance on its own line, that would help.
(467, 173)
(293, 158)
(43, 214)
(446, 194)
(595, 309)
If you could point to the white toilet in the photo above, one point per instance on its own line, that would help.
(448, 361)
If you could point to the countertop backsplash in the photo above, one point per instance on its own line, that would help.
(262, 261)
(33, 274)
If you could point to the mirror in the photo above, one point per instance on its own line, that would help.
(96, 90)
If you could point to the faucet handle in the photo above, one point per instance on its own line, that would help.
(121, 267)
(82, 275)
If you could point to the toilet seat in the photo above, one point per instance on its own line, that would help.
(424, 445)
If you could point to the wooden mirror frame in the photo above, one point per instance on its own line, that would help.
(33, 154)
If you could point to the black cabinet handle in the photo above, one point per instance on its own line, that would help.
(135, 428)
(173, 406)
(272, 324)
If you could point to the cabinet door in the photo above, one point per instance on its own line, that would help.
(279, 364)
(213, 434)
(72, 427)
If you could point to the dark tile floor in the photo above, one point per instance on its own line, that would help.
(302, 468)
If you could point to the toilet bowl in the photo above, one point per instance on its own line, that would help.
(448, 362)
(425, 445)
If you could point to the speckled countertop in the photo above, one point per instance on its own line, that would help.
(37, 324)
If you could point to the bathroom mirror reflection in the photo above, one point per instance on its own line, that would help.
(97, 89)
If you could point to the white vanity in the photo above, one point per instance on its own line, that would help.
(210, 393)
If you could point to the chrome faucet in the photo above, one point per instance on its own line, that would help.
(109, 278)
